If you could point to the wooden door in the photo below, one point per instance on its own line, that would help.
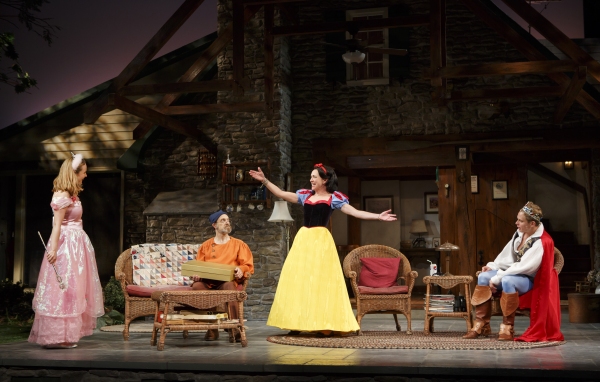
(495, 219)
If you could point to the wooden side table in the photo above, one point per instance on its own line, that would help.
(447, 282)
(198, 299)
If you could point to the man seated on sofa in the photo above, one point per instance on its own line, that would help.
(223, 249)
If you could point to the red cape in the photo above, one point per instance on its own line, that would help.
(543, 300)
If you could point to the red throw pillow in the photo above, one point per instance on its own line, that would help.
(379, 272)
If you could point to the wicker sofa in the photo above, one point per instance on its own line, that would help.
(140, 306)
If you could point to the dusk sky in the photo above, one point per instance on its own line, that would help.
(99, 38)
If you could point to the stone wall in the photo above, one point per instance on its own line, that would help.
(324, 110)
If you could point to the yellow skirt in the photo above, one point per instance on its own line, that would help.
(311, 294)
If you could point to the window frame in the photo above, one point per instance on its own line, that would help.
(385, 80)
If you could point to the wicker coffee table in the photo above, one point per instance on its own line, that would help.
(447, 282)
(197, 300)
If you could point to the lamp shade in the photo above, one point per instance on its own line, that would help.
(418, 226)
(355, 57)
(280, 212)
(447, 247)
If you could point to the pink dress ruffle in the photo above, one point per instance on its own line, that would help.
(66, 315)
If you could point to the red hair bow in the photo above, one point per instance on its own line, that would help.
(321, 166)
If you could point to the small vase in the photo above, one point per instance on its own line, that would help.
(598, 289)
(239, 176)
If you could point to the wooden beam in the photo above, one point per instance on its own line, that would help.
(529, 51)
(208, 56)
(269, 59)
(238, 46)
(539, 91)
(144, 56)
(435, 42)
(180, 87)
(440, 156)
(554, 35)
(443, 89)
(215, 108)
(577, 82)
(504, 68)
(157, 118)
(361, 25)
(99, 107)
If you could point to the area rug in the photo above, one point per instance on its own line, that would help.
(401, 340)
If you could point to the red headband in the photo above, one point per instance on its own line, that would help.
(322, 167)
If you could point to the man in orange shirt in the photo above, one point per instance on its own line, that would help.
(223, 249)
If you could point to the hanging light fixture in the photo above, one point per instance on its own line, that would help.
(355, 57)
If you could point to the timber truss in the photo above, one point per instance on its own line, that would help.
(569, 89)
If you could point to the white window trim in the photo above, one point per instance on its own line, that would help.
(385, 80)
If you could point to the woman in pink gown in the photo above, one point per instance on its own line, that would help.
(65, 314)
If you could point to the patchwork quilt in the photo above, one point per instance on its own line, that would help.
(160, 264)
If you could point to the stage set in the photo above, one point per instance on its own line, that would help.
(440, 356)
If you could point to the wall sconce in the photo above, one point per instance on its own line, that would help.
(568, 165)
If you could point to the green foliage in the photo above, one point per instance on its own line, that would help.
(113, 295)
(26, 13)
(15, 301)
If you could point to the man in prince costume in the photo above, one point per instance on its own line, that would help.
(66, 306)
(311, 294)
(526, 264)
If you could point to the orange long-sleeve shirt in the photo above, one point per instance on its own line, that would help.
(234, 252)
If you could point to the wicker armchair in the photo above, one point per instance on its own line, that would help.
(140, 306)
(381, 303)
(559, 262)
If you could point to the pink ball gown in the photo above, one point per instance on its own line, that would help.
(66, 315)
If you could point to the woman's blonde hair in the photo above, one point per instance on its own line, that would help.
(67, 178)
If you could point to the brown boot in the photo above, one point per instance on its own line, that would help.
(483, 312)
(509, 302)
(211, 335)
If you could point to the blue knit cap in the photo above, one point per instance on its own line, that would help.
(215, 216)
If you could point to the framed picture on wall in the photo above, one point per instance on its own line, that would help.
(378, 204)
(499, 189)
(431, 203)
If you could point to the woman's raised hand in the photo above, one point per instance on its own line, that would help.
(257, 175)
(387, 216)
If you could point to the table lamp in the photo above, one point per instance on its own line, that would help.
(282, 214)
(447, 247)
(418, 227)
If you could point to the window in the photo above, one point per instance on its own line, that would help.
(374, 70)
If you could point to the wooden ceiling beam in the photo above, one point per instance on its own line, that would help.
(554, 35)
(158, 118)
(439, 156)
(503, 69)
(181, 87)
(208, 56)
(269, 58)
(532, 92)
(288, 13)
(529, 51)
(143, 57)
(215, 108)
(574, 88)
(361, 25)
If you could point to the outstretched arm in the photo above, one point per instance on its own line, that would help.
(385, 216)
(285, 195)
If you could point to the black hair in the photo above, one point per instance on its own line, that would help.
(332, 183)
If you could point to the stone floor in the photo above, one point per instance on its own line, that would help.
(578, 359)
